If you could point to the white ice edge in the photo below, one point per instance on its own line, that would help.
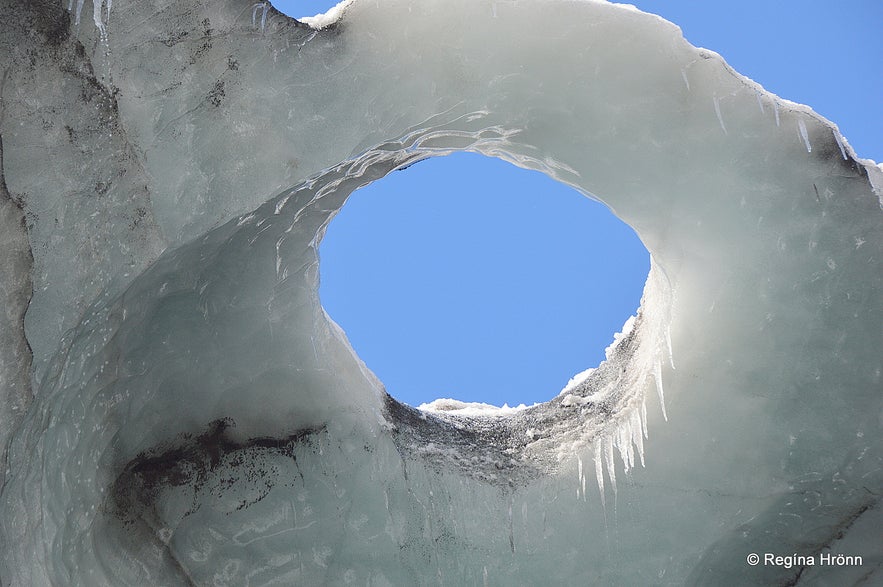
(328, 18)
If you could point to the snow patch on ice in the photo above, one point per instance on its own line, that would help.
(627, 329)
(460, 408)
(576, 380)
(327, 19)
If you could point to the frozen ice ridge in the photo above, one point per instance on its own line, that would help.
(176, 408)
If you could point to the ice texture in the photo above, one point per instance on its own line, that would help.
(179, 410)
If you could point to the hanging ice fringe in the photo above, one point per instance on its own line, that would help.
(263, 7)
(626, 432)
(100, 13)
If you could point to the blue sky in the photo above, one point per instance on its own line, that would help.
(468, 277)
(539, 278)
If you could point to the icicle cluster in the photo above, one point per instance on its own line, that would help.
(263, 8)
(100, 13)
(628, 439)
(627, 433)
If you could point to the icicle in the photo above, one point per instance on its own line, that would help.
(657, 375)
(96, 17)
(599, 471)
(582, 479)
(624, 444)
(107, 11)
(610, 463)
(801, 126)
(671, 355)
(583, 485)
(78, 12)
(579, 468)
(684, 76)
(759, 101)
(511, 532)
(264, 7)
(637, 439)
(70, 5)
(840, 144)
(644, 419)
(776, 106)
(627, 437)
(717, 110)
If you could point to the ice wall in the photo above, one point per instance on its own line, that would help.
(197, 418)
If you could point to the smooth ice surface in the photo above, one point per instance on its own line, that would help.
(197, 419)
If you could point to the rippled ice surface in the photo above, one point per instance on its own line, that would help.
(194, 417)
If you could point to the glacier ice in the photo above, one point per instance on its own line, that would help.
(178, 409)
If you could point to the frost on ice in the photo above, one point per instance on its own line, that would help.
(178, 409)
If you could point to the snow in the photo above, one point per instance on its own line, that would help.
(326, 19)
(453, 406)
(192, 416)
(576, 380)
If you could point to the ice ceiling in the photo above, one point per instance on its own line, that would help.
(178, 409)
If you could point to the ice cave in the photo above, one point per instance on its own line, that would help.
(178, 409)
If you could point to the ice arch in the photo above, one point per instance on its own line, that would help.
(201, 421)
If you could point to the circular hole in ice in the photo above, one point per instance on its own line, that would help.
(467, 277)
(301, 8)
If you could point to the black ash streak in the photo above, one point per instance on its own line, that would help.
(190, 461)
